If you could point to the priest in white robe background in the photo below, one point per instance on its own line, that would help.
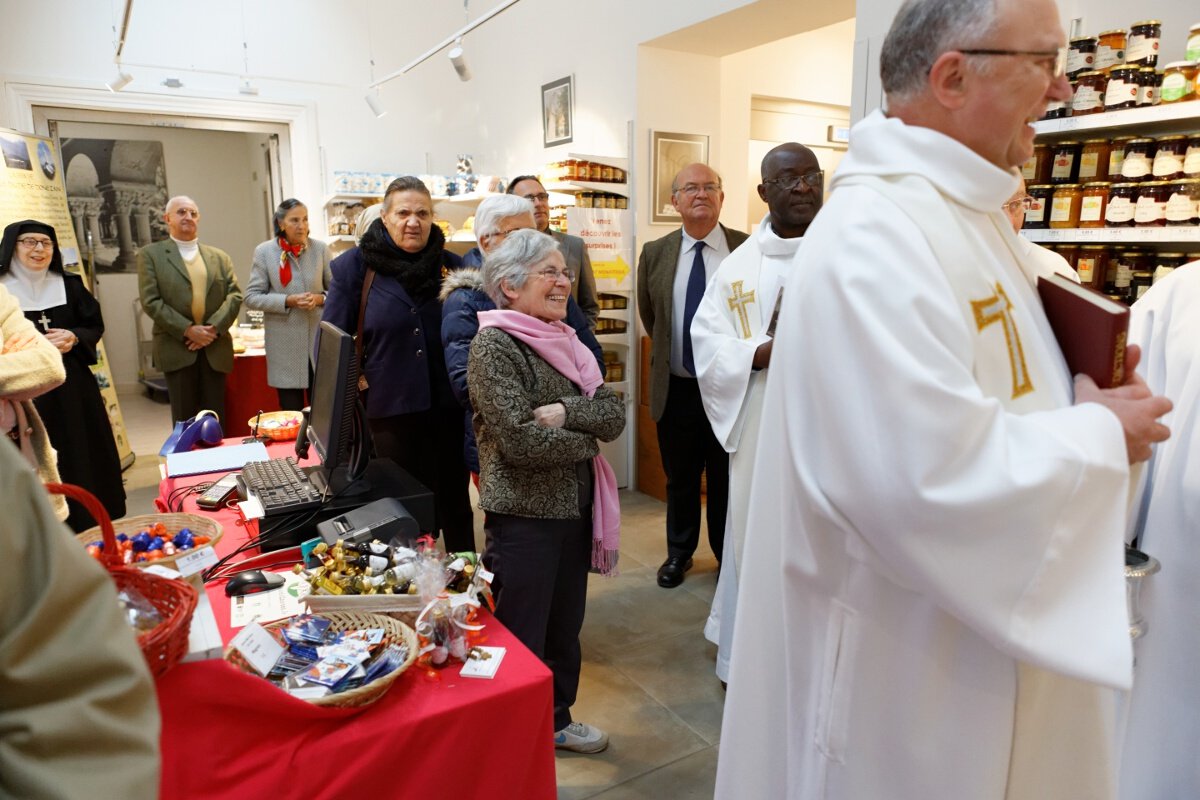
(934, 594)
(1160, 759)
(732, 339)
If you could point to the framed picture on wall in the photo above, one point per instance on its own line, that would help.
(669, 153)
(558, 104)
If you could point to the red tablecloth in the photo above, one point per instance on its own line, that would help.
(229, 734)
(247, 393)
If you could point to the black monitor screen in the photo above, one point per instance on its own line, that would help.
(331, 425)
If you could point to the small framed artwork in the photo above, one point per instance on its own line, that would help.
(558, 104)
(670, 153)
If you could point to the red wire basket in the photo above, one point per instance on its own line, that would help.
(165, 644)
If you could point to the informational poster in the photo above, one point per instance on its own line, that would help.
(608, 235)
(31, 187)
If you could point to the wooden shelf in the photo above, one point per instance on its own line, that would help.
(1182, 234)
(575, 187)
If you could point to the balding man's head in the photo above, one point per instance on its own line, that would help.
(792, 187)
(183, 218)
(697, 195)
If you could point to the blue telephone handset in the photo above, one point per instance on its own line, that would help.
(203, 429)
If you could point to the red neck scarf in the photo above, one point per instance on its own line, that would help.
(285, 266)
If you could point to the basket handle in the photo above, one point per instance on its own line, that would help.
(98, 512)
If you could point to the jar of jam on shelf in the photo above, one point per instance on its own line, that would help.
(1065, 205)
(1093, 201)
(1139, 284)
(1191, 161)
(1179, 81)
(1166, 263)
(606, 173)
(1065, 166)
(1081, 56)
(1116, 154)
(1168, 158)
(1037, 216)
(1151, 208)
(595, 172)
(1070, 253)
(1122, 89)
(1149, 86)
(1089, 93)
(1141, 47)
(1183, 202)
(1193, 43)
(1092, 265)
(1139, 159)
(1110, 49)
(1058, 109)
(1037, 168)
(1122, 202)
(1093, 160)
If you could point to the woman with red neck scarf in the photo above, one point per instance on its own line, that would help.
(288, 283)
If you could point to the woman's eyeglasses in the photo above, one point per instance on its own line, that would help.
(33, 243)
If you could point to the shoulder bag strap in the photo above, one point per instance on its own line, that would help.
(368, 279)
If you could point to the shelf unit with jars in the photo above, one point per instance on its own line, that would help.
(454, 209)
(1119, 242)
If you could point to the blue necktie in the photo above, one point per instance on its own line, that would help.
(691, 302)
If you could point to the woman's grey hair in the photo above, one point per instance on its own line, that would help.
(281, 214)
(922, 31)
(406, 183)
(510, 262)
(365, 217)
(497, 207)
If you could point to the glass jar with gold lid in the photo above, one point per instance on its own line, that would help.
(1065, 165)
(1093, 160)
(1065, 206)
(1151, 208)
(1122, 89)
(1110, 49)
(1139, 159)
(1183, 202)
(1122, 203)
(1089, 93)
(1093, 200)
(1141, 46)
(1169, 153)
(1092, 265)
(1179, 81)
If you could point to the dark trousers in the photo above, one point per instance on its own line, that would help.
(291, 399)
(689, 449)
(541, 568)
(194, 388)
(428, 445)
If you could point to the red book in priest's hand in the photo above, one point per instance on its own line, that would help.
(1091, 329)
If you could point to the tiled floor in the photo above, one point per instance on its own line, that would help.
(647, 673)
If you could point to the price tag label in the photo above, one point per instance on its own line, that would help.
(484, 574)
(195, 561)
(163, 572)
(259, 647)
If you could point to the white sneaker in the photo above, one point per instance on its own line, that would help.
(580, 737)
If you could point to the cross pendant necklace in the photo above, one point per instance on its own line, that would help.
(44, 321)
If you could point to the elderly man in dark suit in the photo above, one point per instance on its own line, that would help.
(671, 276)
(574, 251)
(190, 291)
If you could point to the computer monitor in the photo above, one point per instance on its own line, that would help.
(337, 425)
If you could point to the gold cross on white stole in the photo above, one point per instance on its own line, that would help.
(998, 308)
(738, 303)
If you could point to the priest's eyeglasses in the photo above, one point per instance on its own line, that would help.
(1019, 204)
(34, 243)
(1059, 57)
(787, 183)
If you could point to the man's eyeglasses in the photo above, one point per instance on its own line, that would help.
(1019, 204)
(540, 197)
(787, 183)
(497, 234)
(551, 274)
(693, 189)
(34, 243)
(1059, 57)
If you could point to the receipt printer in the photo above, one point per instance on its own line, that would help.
(386, 520)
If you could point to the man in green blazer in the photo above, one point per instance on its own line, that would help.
(671, 276)
(190, 291)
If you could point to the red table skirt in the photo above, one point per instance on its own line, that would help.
(433, 734)
(247, 393)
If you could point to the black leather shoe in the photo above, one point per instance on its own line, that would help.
(670, 574)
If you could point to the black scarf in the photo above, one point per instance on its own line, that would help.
(419, 273)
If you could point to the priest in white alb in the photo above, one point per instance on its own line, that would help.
(732, 336)
(1160, 759)
(932, 601)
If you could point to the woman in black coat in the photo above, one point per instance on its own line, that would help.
(65, 312)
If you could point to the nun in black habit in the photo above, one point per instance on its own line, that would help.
(64, 311)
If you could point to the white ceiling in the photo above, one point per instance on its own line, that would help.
(755, 24)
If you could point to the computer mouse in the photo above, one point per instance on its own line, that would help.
(252, 581)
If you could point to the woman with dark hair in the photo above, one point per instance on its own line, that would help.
(394, 275)
(66, 314)
(287, 283)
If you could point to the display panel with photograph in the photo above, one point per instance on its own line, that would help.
(670, 153)
(558, 104)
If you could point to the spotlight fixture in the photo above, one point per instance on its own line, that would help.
(120, 81)
(172, 83)
(376, 106)
(247, 88)
(459, 62)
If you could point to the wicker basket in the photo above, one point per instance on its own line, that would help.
(404, 607)
(280, 433)
(393, 631)
(200, 526)
(167, 642)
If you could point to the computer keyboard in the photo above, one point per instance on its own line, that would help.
(281, 486)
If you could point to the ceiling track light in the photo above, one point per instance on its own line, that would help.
(454, 37)
(376, 104)
(247, 88)
(119, 81)
(459, 62)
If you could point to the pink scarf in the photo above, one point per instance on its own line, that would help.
(559, 346)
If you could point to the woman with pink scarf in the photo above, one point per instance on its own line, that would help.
(550, 497)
